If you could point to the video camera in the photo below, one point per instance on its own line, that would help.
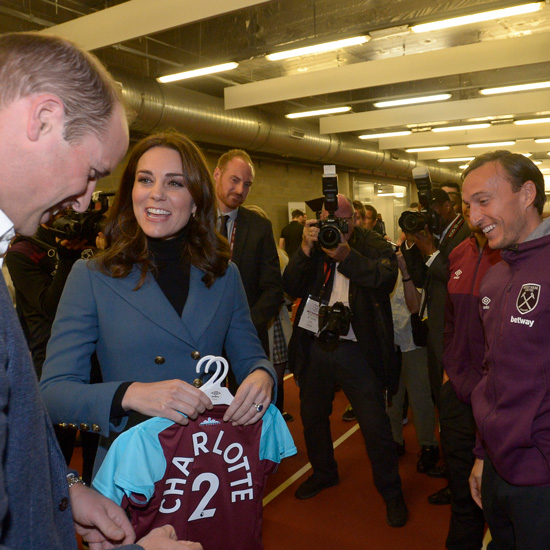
(414, 222)
(83, 225)
(331, 229)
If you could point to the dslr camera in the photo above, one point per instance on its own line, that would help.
(334, 321)
(83, 225)
(414, 222)
(332, 228)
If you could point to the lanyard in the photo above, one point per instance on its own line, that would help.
(328, 272)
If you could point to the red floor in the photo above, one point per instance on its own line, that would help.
(351, 515)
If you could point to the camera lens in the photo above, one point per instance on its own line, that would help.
(329, 237)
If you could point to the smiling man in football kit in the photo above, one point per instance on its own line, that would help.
(511, 404)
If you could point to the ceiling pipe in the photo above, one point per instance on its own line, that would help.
(203, 118)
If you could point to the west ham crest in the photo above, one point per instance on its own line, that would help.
(528, 298)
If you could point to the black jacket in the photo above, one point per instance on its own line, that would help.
(255, 254)
(371, 268)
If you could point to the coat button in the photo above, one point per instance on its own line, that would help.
(195, 355)
(63, 504)
(95, 428)
(160, 360)
(84, 427)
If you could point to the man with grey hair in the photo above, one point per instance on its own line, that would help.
(343, 334)
(63, 127)
(511, 475)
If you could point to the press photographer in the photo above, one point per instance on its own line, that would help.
(349, 343)
(426, 249)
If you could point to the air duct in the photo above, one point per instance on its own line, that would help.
(203, 118)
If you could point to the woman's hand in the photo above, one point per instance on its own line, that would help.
(164, 538)
(171, 399)
(253, 394)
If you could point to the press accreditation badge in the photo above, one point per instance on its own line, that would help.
(310, 315)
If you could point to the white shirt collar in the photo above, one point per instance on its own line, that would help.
(7, 233)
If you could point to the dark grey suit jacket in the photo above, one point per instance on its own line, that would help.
(35, 513)
(255, 254)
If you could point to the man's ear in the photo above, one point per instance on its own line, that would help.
(46, 113)
(217, 173)
(530, 192)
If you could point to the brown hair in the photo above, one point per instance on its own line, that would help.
(126, 241)
(230, 155)
(32, 63)
(518, 169)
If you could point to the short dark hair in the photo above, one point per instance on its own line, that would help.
(452, 185)
(360, 208)
(371, 208)
(297, 213)
(518, 169)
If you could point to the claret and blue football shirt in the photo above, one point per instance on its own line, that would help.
(206, 479)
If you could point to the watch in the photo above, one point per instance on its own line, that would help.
(73, 479)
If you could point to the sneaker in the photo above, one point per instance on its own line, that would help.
(313, 485)
(396, 512)
(288, 417)
(429, 456)
(349, 415)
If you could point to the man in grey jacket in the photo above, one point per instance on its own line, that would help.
(63, 128)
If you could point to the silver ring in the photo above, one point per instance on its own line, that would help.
(258, 406)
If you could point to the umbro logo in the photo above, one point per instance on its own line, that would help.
(458, 273)
(209, 422)
(486, 301)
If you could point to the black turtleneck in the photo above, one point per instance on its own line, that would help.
(172, 273)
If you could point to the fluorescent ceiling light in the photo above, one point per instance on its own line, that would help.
(518, 88)
(477, 17)
(495, 144)
(537, 162)
(456, 159)
(426, 149)
(463, 127)
(527, 154)
(400, 195)
(542, 140)
(387, 134)
(412, 100)
(197, 72)
(463, 166)
(531, 121)
(318, 112)
(318, 48)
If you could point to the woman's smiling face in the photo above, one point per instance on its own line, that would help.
(162, 203)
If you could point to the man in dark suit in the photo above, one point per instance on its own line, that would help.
(357, 277)
(427, 261)
(250, 238)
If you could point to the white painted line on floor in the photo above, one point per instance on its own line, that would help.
(276, 492)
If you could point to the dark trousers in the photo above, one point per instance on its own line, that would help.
(518, 517)
(458, 438)
(435, 372)
(348, 367)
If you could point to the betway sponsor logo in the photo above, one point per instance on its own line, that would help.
(521, 321)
